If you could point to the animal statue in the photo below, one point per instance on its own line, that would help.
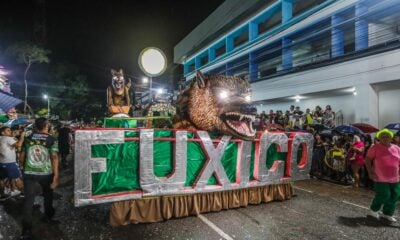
(218, 104)
(118, 99)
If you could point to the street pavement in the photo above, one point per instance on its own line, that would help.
(319, 210)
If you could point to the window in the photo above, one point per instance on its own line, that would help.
(300, 7)
(239, 67)
(241, 39)
(203, 60)
(219, 51)
(268, 59)
(191, 67)
(270, 22)
(312, 44)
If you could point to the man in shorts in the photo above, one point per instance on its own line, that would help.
(9, 170)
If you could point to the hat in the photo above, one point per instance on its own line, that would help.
(384, 131)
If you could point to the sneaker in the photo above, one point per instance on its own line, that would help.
(7, 191)
(15, 192)
(389, 218)
(373, 214)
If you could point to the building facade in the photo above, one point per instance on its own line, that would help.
(345, 53)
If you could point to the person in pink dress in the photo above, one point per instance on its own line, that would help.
(383, 165)
(357, 160)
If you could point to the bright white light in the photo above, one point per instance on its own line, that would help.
(297, 99)
(355, 93)
(3, 72)
(45, 96)
(145, 79)
(152, 61)
(248, 98)
(160, 90)
(223, 94)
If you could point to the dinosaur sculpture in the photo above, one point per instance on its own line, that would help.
(118, 99)
(219, 104)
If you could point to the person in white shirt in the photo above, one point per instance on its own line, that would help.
(9, 170)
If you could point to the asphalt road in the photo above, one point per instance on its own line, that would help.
(319, 210)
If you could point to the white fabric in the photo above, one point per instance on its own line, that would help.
(7, 151)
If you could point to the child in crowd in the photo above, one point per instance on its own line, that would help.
(9, 170)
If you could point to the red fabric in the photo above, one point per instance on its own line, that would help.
(359, 156)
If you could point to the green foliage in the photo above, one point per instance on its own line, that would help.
(29, 53)
(69, 93)
(42, 112)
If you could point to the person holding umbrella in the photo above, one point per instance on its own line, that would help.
(383, 165)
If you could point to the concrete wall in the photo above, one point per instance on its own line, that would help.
(389, 107)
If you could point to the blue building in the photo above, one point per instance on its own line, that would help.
(345, 53)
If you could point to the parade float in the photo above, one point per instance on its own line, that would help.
(211, 160)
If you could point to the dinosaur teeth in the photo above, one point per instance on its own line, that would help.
(240, 123)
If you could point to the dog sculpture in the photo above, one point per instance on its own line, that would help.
(118, 100)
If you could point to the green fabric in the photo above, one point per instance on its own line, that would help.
(272, 155)
(122, 172)
(120, 123)
(163, 154)
(123, 166)
(386, 195)
(4, 118)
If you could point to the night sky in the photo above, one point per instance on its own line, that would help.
(99, 35)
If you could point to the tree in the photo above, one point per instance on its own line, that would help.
(68, 90)
(28, 54)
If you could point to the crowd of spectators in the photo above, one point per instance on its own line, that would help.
(337, 156)
(341, 157)
(296, 119)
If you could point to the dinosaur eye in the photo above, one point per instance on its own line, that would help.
(248, 98)
(223, 94)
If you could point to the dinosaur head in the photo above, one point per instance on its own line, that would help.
(221, 103)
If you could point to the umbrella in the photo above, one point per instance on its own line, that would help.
(348, 129)
(15, 122)
(327, 133)
(7, 101)
(365, 127)
(393, 126)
